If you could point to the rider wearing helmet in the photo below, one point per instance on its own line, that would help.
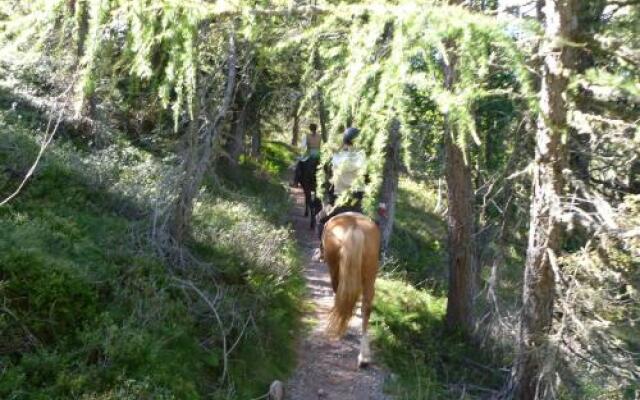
(347, 166)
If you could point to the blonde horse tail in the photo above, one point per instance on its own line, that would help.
(350, 281)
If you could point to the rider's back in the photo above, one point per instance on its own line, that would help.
(347, 167)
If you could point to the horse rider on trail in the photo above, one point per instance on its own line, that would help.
(347, 169)
(312, 142)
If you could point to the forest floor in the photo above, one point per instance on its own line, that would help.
(327, 368)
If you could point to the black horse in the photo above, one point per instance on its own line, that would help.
(305, 175)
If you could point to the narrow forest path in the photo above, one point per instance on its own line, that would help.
(327, 368)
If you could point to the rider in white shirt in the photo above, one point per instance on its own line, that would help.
(348, 165)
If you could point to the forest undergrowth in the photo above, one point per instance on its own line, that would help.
(91, 310)
(150, 254)
(427, 360)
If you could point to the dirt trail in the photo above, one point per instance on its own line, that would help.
(327, 368)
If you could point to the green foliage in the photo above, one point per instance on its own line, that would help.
(408, 325)
(88, 309)
(391, 65)
(88, 303)
(405, 319)
(152, 46)
(277, 158)
(418, 241)
(74, 320)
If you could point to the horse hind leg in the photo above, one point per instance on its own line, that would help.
(364, 357)
(307, 202)
(312, 210)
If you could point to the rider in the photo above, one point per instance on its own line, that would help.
(347, 165)
(311, 142)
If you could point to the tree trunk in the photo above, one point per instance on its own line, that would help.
(460, 219)
(243, 107)
(199, 155)
(238, 128)
(81, 14)
(540, 10)
(295, 133)
(588, 16)
(256, 136)
(633, 177)
(322, 115)
(82, 11)
(322, 112)
(390, 173)
(532, 374)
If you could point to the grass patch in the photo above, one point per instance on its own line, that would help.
(418, 242)
(241, 226)
(427, 361)
(403, 321)
(88, 310)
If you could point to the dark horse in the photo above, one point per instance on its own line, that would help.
(305, 175)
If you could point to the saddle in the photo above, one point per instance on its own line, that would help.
(330, 211)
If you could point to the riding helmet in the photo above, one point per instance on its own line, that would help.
(350, 134)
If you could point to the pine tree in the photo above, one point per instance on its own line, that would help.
(532, 376)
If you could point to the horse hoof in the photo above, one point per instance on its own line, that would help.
(363, 362)
(276, 391)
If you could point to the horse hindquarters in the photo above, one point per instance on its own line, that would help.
(349, 281)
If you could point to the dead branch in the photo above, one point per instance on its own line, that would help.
(212, 306)
(48, 137)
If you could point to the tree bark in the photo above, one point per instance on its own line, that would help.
(81, 14)
(199, 154)
(460, 219)
(588, 17)
(322, 115)
(322, 112)
(532, 374)
(241, 128)
(243, 107)
(634, 177)
(390, 174)
(256, 136)
(295, 133)
(238, 128)
(540, 10)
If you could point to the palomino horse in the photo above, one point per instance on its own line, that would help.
(305, 175)
(351, 250)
